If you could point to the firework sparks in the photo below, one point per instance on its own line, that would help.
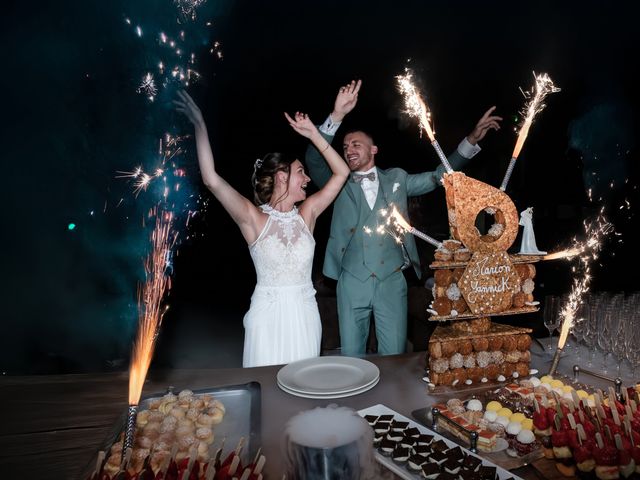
(150, 295)
(534, 105)
(414, 104)
(166, 187)
(400, 223)
(416, 107)
(187, 8)
(169, 148)
(596, 232)
(148, 86)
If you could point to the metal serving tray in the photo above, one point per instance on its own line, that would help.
(241, 420)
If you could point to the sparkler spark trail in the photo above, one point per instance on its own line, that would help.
(416, 107)
(164, 187)
(400, 223)
(596, 233)
(534, 105)
(150, 295)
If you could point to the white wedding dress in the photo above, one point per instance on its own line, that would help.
(283, 322)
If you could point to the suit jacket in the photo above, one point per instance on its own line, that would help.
(350, 214)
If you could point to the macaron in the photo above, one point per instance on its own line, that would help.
(527, 424)
(517, 417)
(504, 412)
(474, 405)
(504, 421)
(490, 416)
(582, 394)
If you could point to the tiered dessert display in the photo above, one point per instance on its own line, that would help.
(475, 278)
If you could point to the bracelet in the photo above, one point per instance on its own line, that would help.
(325, 148)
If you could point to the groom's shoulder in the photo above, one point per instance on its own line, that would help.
(394, 172)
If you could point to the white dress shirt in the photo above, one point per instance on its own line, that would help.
(369, 187)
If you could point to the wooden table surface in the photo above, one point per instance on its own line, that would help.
(53, 425)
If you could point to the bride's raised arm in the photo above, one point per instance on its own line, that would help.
(242, 211)
(319, 201)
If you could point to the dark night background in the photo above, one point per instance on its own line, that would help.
(73, 118)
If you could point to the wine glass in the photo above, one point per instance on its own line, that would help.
(550, 318)
(605, 338)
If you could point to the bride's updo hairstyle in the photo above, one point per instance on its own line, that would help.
(264, 174)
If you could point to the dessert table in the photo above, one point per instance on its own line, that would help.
(55, 424)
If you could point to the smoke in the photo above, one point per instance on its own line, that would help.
(604, 137)
(331, 442)
(74, 255)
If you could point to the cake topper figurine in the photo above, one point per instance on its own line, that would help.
(528, 245)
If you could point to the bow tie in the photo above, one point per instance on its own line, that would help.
(358, 177)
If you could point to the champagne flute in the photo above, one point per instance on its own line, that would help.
(550, 318)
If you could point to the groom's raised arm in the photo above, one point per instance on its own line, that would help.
(345, 102)
(422, 183)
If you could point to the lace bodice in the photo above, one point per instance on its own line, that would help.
(283, 253)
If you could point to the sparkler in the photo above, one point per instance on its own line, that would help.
(416, 107)
(150, 311)
(534, 105)
(179, 67)
(401, 223)
(596, 233)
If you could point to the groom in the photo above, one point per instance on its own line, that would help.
(368, 266)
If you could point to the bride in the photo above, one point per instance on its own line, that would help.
(283, 322)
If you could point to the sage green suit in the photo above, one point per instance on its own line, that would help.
(368, 266)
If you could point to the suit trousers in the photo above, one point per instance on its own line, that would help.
(386, 299)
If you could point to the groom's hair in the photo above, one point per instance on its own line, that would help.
(264, 173)
(360, 130)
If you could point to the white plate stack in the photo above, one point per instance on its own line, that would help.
(328, 377)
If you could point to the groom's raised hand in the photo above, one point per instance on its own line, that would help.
(345, 100)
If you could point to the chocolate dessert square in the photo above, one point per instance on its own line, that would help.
(408, 442)
(430, 470)
(422, 450)
(415, 462)
(487, 473)
(387, 446)
(424, 439)
(439, 446)
(371, 419)
(451, 466)
(385, 418)
(397, 425)
(401, 455)
(469, 475)
(456, 454)
(381, 426)
(471, 463)
(437, 457)
(412, 432)
(448, 476)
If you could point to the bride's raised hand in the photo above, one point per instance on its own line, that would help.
(302, 124)
(188, 107)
